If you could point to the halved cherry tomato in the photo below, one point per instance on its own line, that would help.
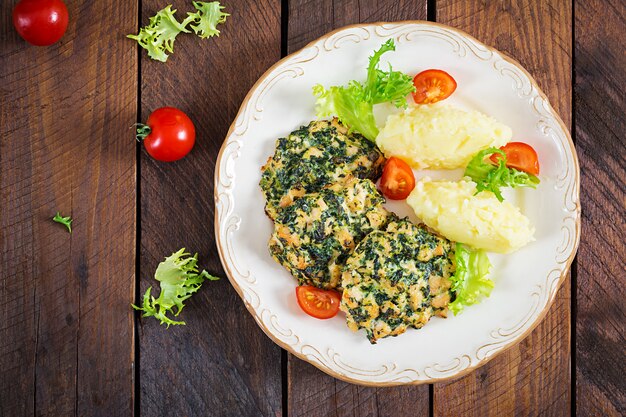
(321, 304)
(519, 155)
(397, 181)
(433, 85)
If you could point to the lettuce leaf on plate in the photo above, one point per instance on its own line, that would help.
(470, 282)
(354, 104)
(490, 177)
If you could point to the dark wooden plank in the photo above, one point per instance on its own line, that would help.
(66, 330)
(310, 391)
(310, 19)
(313, 393)
(221, 363)
(532, 378)
(599, 111)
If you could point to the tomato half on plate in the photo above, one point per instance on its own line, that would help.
(321, 304)
(398, 180)
(433, 85)
(521, 156)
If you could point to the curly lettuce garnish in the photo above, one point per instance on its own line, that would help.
(354, 104)
(470, 282)
(347, 104)
(490, 177)
(204, 22)
(179, 279)
(159, 35)
(66, 221)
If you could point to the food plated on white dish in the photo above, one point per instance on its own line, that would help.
(396, 264)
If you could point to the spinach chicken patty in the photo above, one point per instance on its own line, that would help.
(315, 234)
(322, 153)
(332, 231)
(397, 278)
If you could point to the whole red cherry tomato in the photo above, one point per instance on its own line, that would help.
(40, 22)
(168, 135)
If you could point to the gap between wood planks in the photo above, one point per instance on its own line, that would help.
(136, 362)
(574, 267)
(284, 355)
(431, 16)
(431, 10)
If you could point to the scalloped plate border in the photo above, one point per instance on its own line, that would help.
(329, 361)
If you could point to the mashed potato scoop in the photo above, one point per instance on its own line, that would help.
(453, 209)
(440, 136)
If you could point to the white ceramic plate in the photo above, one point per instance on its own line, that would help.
(526, 281)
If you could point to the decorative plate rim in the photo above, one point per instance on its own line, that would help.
(500, 347)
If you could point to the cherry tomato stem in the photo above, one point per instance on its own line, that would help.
(142, 131)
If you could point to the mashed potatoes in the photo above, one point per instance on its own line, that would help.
(440, 136)
(481, 221)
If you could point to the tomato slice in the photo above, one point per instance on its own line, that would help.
(519, 155)
(321, 304)
(397, 181)
(433, 85)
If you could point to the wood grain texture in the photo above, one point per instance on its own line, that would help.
(532, 378)
(221, 363)
(66, 330)
(600, 128)
(311, 392)
(310, 19)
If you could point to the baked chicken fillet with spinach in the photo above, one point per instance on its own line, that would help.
(315, 234)
(322, 153)
(396, 278)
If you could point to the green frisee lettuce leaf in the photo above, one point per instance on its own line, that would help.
(490, 177)
(66, 221)
(354, 104)
(159, 35)
(179, 279)
(470, 282)
(204, 22)
(387, 86)
(341, 102)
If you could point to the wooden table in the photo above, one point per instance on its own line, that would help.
(71, 345)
